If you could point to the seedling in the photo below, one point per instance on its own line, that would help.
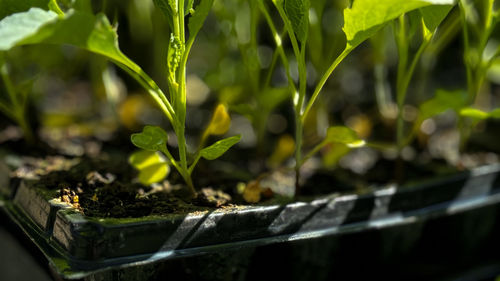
(361, 21)
(254, 96)
(80, 28)
(479, 20)
(14, 105)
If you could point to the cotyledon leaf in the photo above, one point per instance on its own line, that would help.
(151, 165)
(152, 138)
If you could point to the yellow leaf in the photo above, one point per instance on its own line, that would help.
(153, 173)
(251, 194)
(220, 122)
(143, 158)
(151, 165)
(333, 153)
(284, 149)
(131, 109)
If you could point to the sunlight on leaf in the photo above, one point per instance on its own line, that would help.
(77, 28)
(479, 114)
(151, 165)
(344, 135)
(17, 27)
(366, 17)
(153, 173)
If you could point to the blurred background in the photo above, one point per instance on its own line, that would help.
(72, 93)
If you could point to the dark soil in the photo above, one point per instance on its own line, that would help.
(104, 186)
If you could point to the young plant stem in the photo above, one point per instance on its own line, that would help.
(298, 97)
(274, 62)
(405, 73)
(476, 68)
(181, 100)
(324, 78)
(301, 111)
(17, 108)
(401, 88)
(279, 46)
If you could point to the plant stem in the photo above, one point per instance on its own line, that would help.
(270, 71)
(27, 131)
(181, 101)
(315, 150)
(279, 45)
(475, 67)
(299, 123)
(404, 75)
(18, 108)
(401, 88)
(298, 97)
(298, 151)
(323, 80)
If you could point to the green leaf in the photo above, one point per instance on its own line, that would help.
(151, 165)
(334, 154)
(151, 138)
(479, 114)
(297, 12)
(443, 101)
(198, 18)
(82, 5)
(366, 17)
(434, 15)
(144, 158)
(77, 28)
(495, 113)
(269, 98)
(474, 113)
(344, 135)
(153, 173)
(217, 149)
(17, 27)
